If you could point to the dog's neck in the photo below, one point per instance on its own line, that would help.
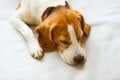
(50, 10)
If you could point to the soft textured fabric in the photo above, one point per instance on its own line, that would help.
(102, 47)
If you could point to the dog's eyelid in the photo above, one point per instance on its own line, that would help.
(64, 42)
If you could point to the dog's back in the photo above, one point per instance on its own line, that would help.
(35, 8)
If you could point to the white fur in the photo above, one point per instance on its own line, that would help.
(30, 12)
(74, 49)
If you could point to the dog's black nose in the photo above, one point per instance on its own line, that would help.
(78, 59)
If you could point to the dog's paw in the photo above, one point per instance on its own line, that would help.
(37, 54)
(35, 50)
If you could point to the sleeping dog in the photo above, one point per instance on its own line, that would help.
(57, 25)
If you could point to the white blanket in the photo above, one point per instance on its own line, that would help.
(102, 47)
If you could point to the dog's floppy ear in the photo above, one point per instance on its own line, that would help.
(86, 29)
(45, 38)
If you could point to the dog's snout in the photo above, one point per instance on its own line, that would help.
(78, 59)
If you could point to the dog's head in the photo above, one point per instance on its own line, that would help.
(66, 29)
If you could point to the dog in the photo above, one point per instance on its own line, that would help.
(57, 26)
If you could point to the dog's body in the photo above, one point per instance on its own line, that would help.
(47, 15)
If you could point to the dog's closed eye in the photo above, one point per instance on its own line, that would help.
(65, 42)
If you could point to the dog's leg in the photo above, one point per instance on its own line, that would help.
(34, 48)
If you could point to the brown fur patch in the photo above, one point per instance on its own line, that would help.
(47, 12)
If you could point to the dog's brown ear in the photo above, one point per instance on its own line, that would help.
(45, 38)
(86, 30)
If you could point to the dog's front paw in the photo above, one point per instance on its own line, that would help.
(35, 50)
(37, 54)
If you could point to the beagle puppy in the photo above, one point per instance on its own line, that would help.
(57, 25)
